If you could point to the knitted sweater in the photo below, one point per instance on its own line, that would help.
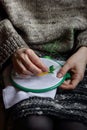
(51, 27)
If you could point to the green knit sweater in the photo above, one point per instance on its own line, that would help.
(50, 26)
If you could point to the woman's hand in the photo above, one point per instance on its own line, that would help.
(76, 64)
(26, 62)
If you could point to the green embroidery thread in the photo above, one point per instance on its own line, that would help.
(51, 69)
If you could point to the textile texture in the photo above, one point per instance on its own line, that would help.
(36, 23)
(49, 27)
(2, 110)
(70, 105)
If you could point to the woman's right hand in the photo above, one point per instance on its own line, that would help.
(26, 62)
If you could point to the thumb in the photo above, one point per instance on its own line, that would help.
(64, 70)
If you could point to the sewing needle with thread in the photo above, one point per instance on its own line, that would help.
(51, 70)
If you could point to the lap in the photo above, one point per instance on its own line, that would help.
(70, 125)
(35, 122)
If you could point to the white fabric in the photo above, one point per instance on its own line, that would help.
(11, 95)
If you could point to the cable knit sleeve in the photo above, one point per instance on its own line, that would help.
(10, 41)
(82, 39)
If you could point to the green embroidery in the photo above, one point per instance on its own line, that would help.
(51, 69)
(63, 44)
(52, 48)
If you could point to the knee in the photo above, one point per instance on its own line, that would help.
(35, 123)
(39, 123)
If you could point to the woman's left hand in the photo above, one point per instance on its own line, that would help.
(76, 64)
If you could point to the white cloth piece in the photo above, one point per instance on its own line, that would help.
(12, 95)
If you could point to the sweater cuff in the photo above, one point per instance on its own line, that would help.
(82, 40)
(12, 44)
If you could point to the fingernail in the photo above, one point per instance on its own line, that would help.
(59, 75)
(46, 69)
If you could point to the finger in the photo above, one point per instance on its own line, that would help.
(64, 69)
(65, 83)
(76, 78)
(25, 61)
(20, 69)
(15, 66)
(29, 65)
(36, 60)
